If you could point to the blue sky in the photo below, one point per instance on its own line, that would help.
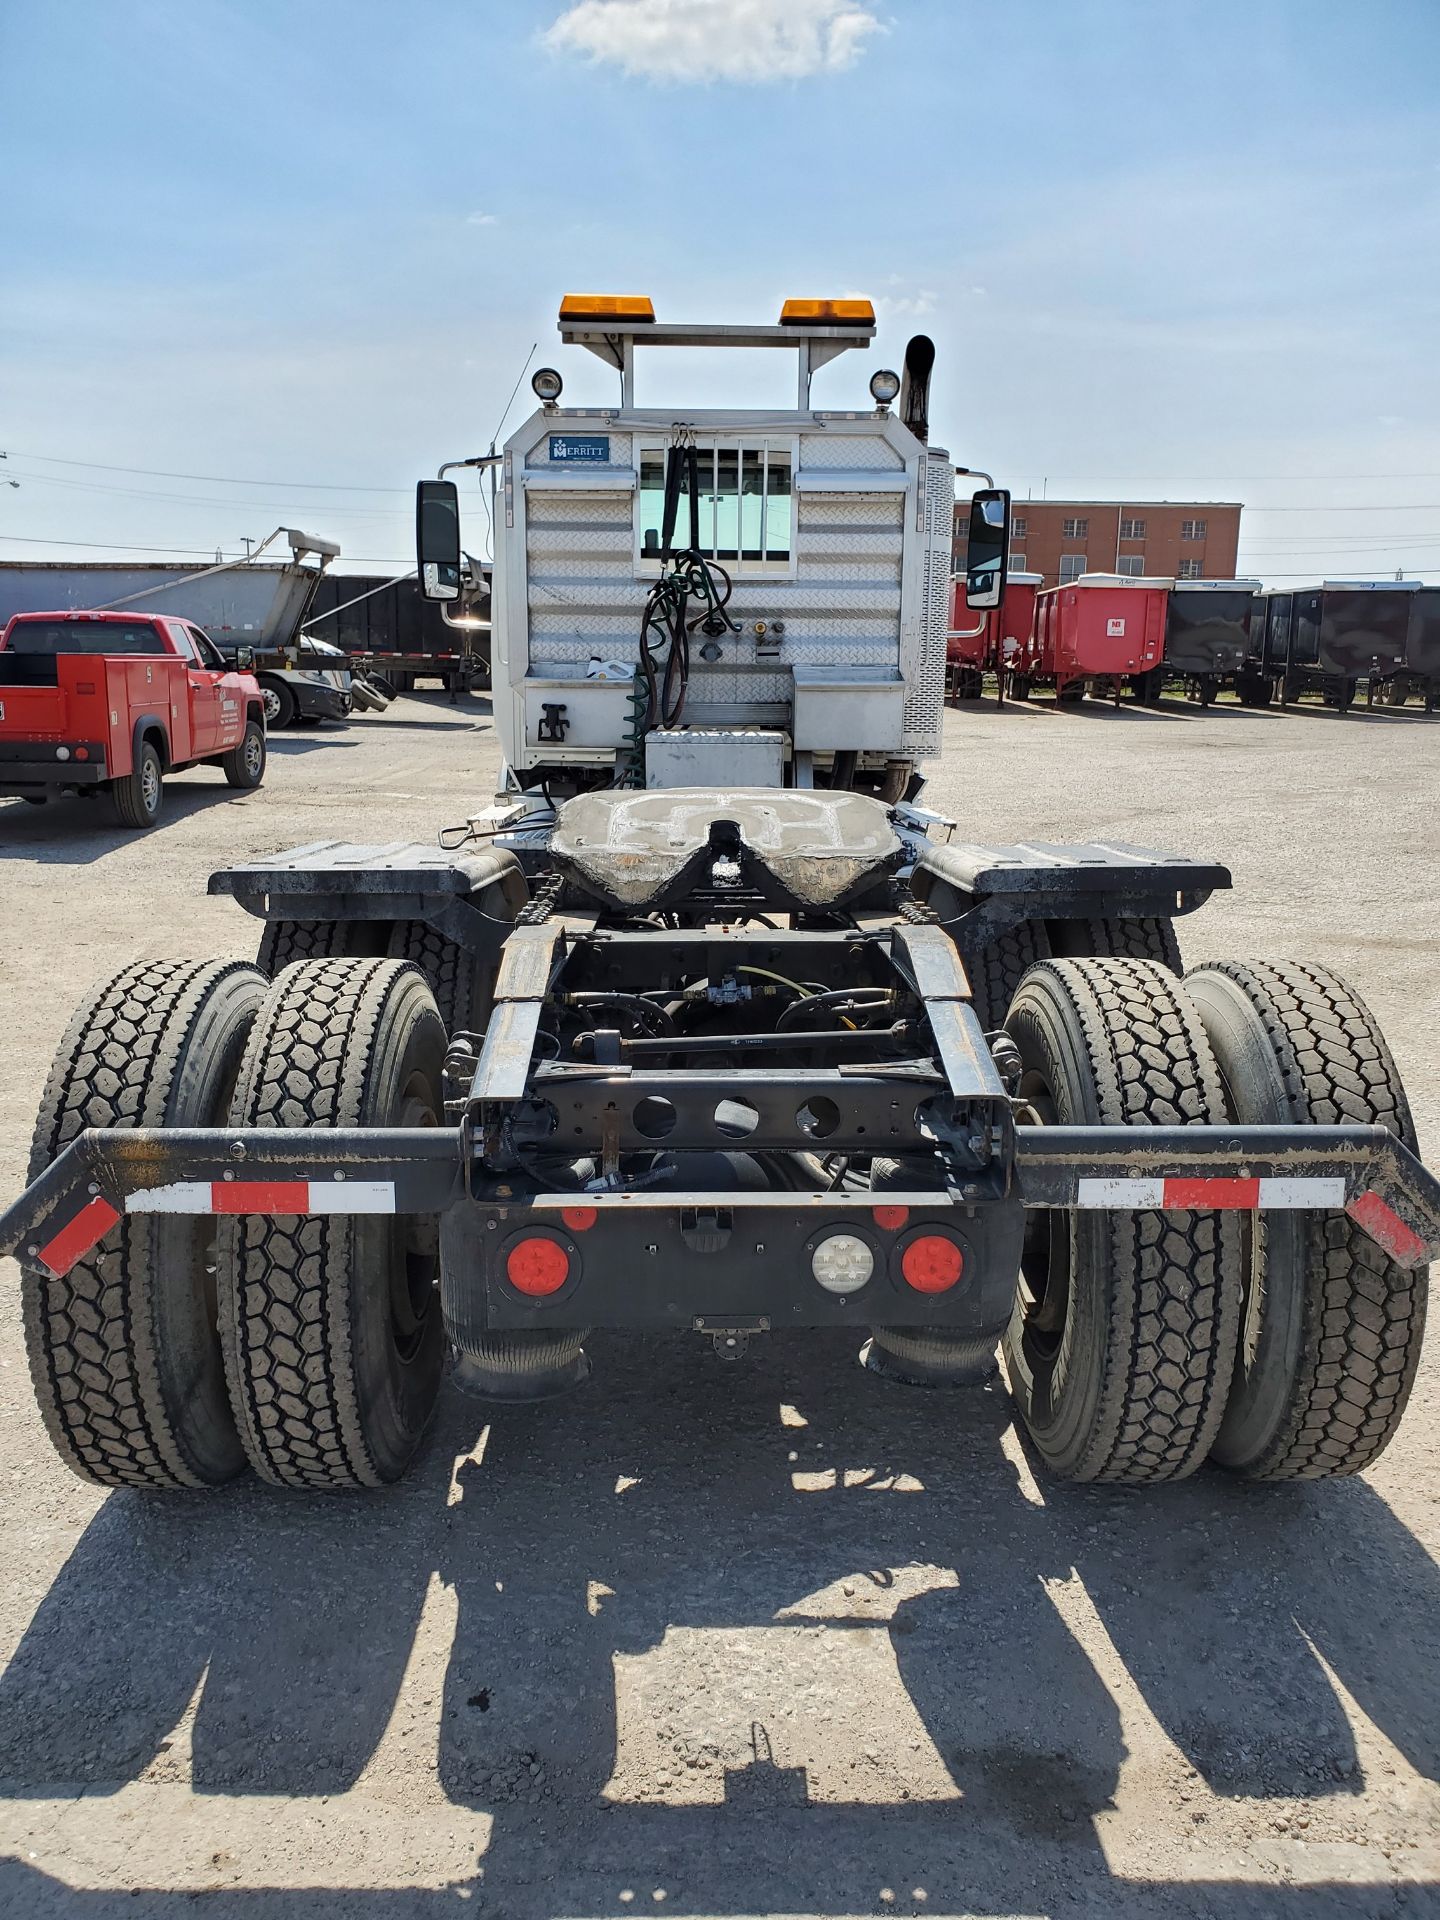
(1166, 248)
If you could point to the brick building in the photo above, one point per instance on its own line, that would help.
(1182, 540)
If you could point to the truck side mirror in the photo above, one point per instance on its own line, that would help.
(244, 659)
(988, 549)
(437, 539)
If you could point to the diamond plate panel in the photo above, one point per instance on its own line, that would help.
(883, 544)
(578, 512)
(578, 541)
(848, 450)
(858, 511)
(574, 571)
(818, 570)
(925, 676)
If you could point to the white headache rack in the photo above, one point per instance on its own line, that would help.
(833, 529)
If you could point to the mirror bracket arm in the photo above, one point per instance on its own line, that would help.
(477, 461)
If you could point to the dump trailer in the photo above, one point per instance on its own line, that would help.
(260, 605)
(975, 647)
(1419, 679)
(708, 1025)
(400, 639)
(1207, 634)
(1098, 633)
(1331, 638)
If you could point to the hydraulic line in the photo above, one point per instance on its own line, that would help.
(859, 999)
(663, 677)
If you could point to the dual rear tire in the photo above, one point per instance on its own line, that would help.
(183, 1347)
(1280, 1345)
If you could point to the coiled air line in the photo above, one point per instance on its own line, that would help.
(657, 697)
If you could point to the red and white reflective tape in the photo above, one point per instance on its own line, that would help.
(1277, 1194)
(1387, 1229)
(1274, 1194)
(88, 1228)
(265, 1196)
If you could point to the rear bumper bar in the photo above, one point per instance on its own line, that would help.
(105, 1174)
(24, 776)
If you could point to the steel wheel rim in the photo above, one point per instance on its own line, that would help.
(270, 701)
(1046, 1256)
(415, 1263)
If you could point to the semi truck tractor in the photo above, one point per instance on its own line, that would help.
(706, 1024)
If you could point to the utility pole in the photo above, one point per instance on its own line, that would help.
(248, 545)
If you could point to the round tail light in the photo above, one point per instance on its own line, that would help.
(537, 1267)
(931, 1263)
(842, 1263)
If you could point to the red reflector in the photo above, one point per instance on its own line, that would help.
(75, 1240)
(537, 1267)
(260, 1196)
(1182, 1195)
(931, 1264)
(579, 1218)
(892, 1217)
(1387, 1229)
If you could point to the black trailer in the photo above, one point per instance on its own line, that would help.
(1420, 677)
(402, 635)
(1330, 638)
(1207, 634)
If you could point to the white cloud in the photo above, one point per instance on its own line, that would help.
(745, 40)
(482, 219)
(907, 306)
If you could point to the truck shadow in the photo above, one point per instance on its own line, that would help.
(288, 744)
(75, 833)
(909, 1706)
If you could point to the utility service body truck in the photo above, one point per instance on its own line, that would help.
(705, 1025)
(111, 702)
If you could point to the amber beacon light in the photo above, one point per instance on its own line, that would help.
(827, 313)
(629, 307)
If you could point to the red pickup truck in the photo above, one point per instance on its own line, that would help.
(115, 701)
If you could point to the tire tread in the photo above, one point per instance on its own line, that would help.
(92, 1354)
(1365, 1320)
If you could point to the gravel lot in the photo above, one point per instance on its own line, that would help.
(774, 1639)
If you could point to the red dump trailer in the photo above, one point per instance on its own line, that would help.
(974, 648)
(1101, 630)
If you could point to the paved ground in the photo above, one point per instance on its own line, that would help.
(769, 1640)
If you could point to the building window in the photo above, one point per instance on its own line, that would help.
(1131, 563)
(1072, 565)
(1018, 527)
(1017, 562)
(1188, 570)
(1132, 529)
(1192, 529)
(746, 517)
(1074, 529)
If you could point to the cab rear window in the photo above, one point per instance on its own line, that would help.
(85, 636)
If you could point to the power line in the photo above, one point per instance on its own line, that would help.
(215, 479)
(198, 500)
(1194, 479)
(123, 546)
